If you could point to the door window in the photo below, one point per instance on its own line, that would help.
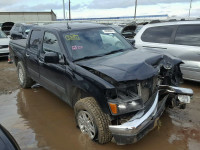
(50, 43)
(160, 34)
(35, 40)
(188, 35)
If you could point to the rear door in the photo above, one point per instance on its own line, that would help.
(158, 37)
(186, 45)
(32, 52)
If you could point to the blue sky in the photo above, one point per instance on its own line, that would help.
(105, 8)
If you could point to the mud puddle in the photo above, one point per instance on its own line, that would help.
(8, 77)
(39, 120)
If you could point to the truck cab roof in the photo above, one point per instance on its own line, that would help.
(73, 26)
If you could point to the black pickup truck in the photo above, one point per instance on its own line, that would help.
(115, 90)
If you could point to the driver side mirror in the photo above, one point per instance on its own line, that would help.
(51, 57)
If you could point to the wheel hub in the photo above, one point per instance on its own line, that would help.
(86, 124)
(21, 75)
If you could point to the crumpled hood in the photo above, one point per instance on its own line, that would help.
(137, 64)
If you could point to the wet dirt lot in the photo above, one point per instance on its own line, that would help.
(39, 120)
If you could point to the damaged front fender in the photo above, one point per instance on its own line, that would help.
(144, 121)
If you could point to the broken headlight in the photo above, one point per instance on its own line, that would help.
(125, 103)
(168, 66)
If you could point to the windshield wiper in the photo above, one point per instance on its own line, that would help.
(116, 51)
(87, 57)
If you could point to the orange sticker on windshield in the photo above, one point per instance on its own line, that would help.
(72, 37)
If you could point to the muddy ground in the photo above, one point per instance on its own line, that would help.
(39, 120)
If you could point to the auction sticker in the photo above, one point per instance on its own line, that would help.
(72, 37)
(75, 47)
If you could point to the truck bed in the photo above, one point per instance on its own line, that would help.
(21, 43)
(17, 49)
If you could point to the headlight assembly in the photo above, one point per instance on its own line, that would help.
(125, 104)
(168, 66)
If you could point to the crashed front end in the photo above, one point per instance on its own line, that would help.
(137, 105)
(143, 83)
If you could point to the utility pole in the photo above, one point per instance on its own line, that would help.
(64, 9)
(69, 10)
(135, 9)
(190, 7)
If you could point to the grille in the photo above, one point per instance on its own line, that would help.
(3, 46)
(146, 88)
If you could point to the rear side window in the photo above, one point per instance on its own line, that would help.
(35, 40)
(158, 34)
(188, 35)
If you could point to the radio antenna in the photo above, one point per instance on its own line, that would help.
(68, 27)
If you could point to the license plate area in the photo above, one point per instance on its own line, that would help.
(184, 98)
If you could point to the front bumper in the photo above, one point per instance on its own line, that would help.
(4, 52)
(144, 121)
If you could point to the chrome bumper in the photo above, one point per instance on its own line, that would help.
(141, 123)
(176, 90)
(134, 125)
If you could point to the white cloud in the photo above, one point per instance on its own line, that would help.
(178, 9)
(105, 8)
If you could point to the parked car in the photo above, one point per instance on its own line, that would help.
(138, 28)
(126, 30)
(4, 42)
(6, 27)
(114, 89)
(178, 38)
(20, 31)
(7, 142)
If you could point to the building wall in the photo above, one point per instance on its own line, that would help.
(27, 16)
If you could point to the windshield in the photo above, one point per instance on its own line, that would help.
(27, 29)
(2, 34)
(94, 42)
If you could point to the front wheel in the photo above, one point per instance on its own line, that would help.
(23, 78)
(92, 121)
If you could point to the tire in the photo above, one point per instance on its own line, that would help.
(99, 119)
(24, 80)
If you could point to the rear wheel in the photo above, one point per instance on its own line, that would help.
(92, 121)
(23, 78)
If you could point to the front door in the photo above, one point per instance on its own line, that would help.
(52, 76)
